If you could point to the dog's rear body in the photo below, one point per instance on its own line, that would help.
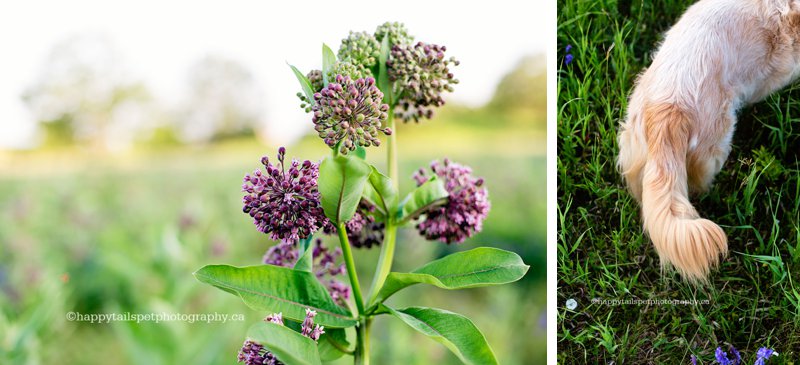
(721, 55)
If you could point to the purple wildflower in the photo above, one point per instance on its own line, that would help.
(284, 203)
(315, 79)
(339, 291)
(276, 318)
(285, 254)
(693, 359)
(722, 357)
(763, 354)
(350, 112)
(466, 208)
(568, 58)
(423, 73)
(325, 260)
(252, 353)
(308, 328)
(363, 231)
(737, 357)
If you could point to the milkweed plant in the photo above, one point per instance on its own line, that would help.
(354, 101)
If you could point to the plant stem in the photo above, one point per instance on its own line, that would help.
(351, 267)
(391, 158)
(384, 262)
(390, 236)
(361, 357)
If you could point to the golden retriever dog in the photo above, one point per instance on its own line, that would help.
(720, 56)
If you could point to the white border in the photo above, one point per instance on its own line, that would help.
(552, 188)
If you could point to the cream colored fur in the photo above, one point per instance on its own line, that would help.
(721, 55)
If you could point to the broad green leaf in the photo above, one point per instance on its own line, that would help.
(278, 289)
(429, 194)
(381, 193)
(341, 184)
(290, 347)
(306, 260)
(331, 344)
(360, 152)
(305, 85)
(453, 330)
(328, 60)
(482, 266)
(383, 74)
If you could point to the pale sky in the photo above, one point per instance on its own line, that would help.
(160, 40)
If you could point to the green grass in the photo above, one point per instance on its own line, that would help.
(753, 299)
(95, 233)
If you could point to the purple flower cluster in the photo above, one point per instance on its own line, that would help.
(363, 231)
(350, 112)
(326, 261)
(276, 318)
(285, 254)
(466, 208)
(317, 83)
(308, 328)
(253, 353)
(763, 354)
(721, 357)
(423, 73)
(284, 203)
(568, 58)
(345, 68)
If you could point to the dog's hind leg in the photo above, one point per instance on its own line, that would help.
(705, 160)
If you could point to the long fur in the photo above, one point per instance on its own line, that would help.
(720, 56)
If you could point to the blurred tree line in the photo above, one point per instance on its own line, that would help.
(84, 95)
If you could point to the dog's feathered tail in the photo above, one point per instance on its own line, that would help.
(653, 158)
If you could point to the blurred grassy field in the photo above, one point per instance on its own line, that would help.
(94, 233)
(602, 251)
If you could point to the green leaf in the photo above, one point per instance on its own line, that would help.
(453, 330)
(278, 289)
(482, 266)
(383, 74)
(360, 152)
(429, 194)
(331, 344)
(304, 84)
(328, 60)
(290, 347)
(381, 193)
(341, 184)
(306, 260)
